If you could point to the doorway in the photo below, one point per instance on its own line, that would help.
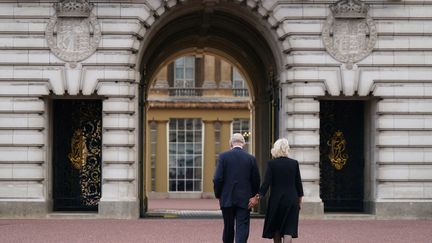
(342, 155)
(241, 38)
(77, 154)
(194, 104)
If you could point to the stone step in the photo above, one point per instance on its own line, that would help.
(170, 213)
(349, 216)
(73, 215)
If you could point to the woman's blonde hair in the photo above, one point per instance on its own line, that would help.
(280, 148)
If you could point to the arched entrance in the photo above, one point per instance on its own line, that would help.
(229, 30)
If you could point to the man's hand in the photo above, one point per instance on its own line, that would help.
(253, 201)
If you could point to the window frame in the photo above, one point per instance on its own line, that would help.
(176, 178)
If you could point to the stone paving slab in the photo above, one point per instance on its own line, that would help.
(206, 231)
(183, 204)
(169, 213)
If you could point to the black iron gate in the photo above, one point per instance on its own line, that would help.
(77, 137)
(341, 155)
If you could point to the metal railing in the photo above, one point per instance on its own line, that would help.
(240, 92)
(191, 92)
(185, 91)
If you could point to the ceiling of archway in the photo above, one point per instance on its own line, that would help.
(230, 29)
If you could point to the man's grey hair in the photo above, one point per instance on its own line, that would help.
(237, 139)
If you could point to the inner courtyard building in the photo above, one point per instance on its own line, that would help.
(194, 105)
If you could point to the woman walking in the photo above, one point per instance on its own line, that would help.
(283, 177)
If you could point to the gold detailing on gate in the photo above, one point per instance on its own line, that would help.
(85, 156)
(79, 153)
(96, 135)
(337, 155)
(90, 175)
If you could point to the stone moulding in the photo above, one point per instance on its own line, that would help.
(349, 34)
(73, 8)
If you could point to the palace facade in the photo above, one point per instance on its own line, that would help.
(104, 104)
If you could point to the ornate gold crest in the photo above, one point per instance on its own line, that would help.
(337, 155)
(79, 153)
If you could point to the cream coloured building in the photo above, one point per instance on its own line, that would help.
(194, 105)
(347, 82)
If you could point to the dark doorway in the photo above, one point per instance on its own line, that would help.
(77, 154)
(341, 155)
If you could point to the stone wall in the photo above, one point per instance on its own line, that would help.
(395, 78)
(31, 76)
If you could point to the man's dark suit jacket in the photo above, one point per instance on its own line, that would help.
(236, 179)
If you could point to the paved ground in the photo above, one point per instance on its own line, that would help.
(203, 224)
(206, 231)
(183, 204)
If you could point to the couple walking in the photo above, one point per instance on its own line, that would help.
(237, 186)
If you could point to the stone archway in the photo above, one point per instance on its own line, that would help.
(230, 30)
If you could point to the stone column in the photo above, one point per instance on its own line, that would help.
(162, 79)
(209, 72)
(225, 135)
(161, 157)
(119, 167)
(209, 158)
(302, 121)
(148, 156)
(226, 75)
(160, 86)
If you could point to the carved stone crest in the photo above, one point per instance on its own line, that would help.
(73, 33)
(349, 33)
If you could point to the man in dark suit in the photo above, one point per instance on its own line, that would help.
(236, 180)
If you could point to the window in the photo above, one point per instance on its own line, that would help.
(217, 127)
(184, 76)
(153, 141)
(239, 85)
(241, 125)
(185, 155)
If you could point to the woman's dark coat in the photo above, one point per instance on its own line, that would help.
(283, 177)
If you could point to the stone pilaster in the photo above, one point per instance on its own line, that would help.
(162, 79)
(226, 75)
(209, 159)
(209, 72)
